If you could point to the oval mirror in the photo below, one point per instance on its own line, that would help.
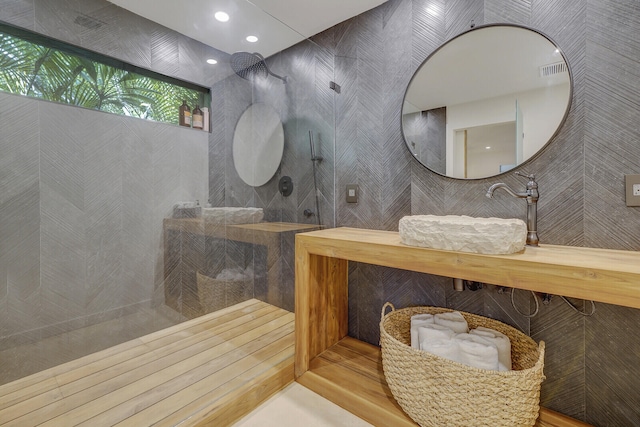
(486, 101)
(258, 143)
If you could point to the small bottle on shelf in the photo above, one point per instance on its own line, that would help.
(185, 114)
(206, 124)
(198, 118)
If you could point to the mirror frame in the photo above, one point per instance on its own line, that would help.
(542, 147)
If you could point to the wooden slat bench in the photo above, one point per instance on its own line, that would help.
(209, 370)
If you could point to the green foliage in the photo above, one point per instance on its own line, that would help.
(33, 70)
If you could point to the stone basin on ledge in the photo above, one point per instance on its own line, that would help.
(231, 215)
(464, 233)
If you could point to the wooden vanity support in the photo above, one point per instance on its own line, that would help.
(179, 238)
(322, 257)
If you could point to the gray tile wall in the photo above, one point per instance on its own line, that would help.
(305, 103)
(82, 219)
(89, 187)
(592, 363)
(372, 57)
(84, 192)
(425, 131)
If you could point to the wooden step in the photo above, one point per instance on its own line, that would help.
(350, 374)
(222, 363)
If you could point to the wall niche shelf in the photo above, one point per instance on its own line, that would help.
(349, 373)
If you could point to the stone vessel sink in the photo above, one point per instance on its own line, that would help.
(464, 233)
(230, 215)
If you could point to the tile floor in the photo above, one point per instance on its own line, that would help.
(296, 406)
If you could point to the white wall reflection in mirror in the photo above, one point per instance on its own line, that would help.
(486, 101)
(258, 144)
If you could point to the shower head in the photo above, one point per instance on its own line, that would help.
(249, 65)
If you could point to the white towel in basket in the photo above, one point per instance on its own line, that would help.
(477, 351)
(438, 340)
(447, 348)
(453, 320)
(418, 320)
(501, 341)
(433, 332)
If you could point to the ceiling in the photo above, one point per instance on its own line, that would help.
(278, 24)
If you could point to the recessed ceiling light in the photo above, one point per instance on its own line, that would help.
(252, 39)
(487, 148)
(222, 16)
(211, 61)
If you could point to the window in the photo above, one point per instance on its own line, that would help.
(34, 65)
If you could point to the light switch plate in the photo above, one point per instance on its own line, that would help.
(632, 189)
(352, 193)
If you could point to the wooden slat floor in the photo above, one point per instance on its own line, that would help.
(208, 371)
(350, 375)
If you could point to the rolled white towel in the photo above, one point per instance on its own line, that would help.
(477, 351)
(231, 274)
(438, 340)
(433, 332)
(418, 320)
(501, 341)
(443, 347)
(453, 320)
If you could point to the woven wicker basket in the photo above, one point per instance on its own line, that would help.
(214, 293)
(437, 392)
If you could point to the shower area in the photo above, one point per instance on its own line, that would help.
(113, 228)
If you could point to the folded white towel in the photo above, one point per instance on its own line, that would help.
(232, 275)
(477, 351)
(443, 347)
(501, 341)
(452, 320)
(438, 340)
(432, 332)
(418, 320)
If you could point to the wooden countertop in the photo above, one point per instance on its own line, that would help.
(610, 276)
(259, 233)
(268, 227)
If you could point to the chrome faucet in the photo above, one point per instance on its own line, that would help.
(532, 195)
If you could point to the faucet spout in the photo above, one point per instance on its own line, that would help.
(532, 195)
(506, 188)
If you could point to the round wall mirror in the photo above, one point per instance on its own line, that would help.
(258, 143)
(486, 101)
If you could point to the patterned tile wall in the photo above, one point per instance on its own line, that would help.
(85, 221)
(305, 104)
(83, 192)
(580, 175)
(372, 57)
(425, 131)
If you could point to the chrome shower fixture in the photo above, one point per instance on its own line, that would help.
(250, 65)
(315, 159)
